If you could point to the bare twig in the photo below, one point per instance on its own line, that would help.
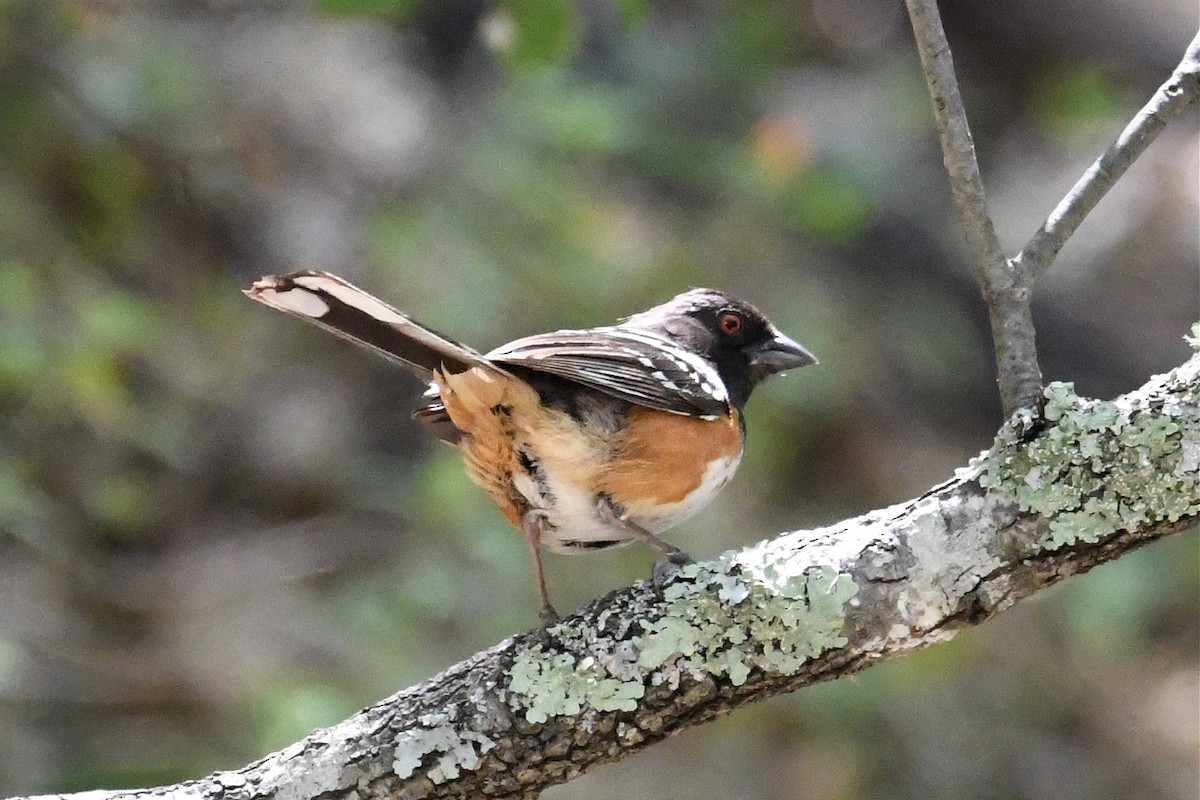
(643, 663)
(1181, 89)
(1004, 290)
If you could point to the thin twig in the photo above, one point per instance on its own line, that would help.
(1181, 89)
(1004, 290)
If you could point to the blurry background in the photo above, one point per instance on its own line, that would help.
(219, 528)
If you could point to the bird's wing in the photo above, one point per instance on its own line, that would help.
(636, 365)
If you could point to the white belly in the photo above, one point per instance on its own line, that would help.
(574, 524)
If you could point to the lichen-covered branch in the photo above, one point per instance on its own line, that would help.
(1004, 288)
(1180, 90)
(1058, 494)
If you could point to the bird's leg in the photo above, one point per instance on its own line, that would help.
(672, 557)
(532, 524)
(611, 516)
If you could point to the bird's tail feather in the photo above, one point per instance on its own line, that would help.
(347, 311)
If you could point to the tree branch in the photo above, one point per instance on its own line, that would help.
(1004, 288)
(1179, 91)
(1096, 480)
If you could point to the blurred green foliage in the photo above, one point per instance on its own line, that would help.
(537, 32)
(1077, 101)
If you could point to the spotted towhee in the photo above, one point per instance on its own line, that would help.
(585, 439)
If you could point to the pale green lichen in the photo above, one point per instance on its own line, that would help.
(782, 617)
(552, 685)
(1104, 466)
(458, 749)
(753, 609)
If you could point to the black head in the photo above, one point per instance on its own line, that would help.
(745, 346)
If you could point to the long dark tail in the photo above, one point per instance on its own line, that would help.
(347, 311)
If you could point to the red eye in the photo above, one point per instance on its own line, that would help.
(730, 323)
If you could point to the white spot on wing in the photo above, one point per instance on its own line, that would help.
(659, 376)
(691, 363)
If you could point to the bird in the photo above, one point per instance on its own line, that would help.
(584, 439)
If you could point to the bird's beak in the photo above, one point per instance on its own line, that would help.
(777, 354)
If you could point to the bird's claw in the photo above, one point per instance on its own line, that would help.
(668, 566)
